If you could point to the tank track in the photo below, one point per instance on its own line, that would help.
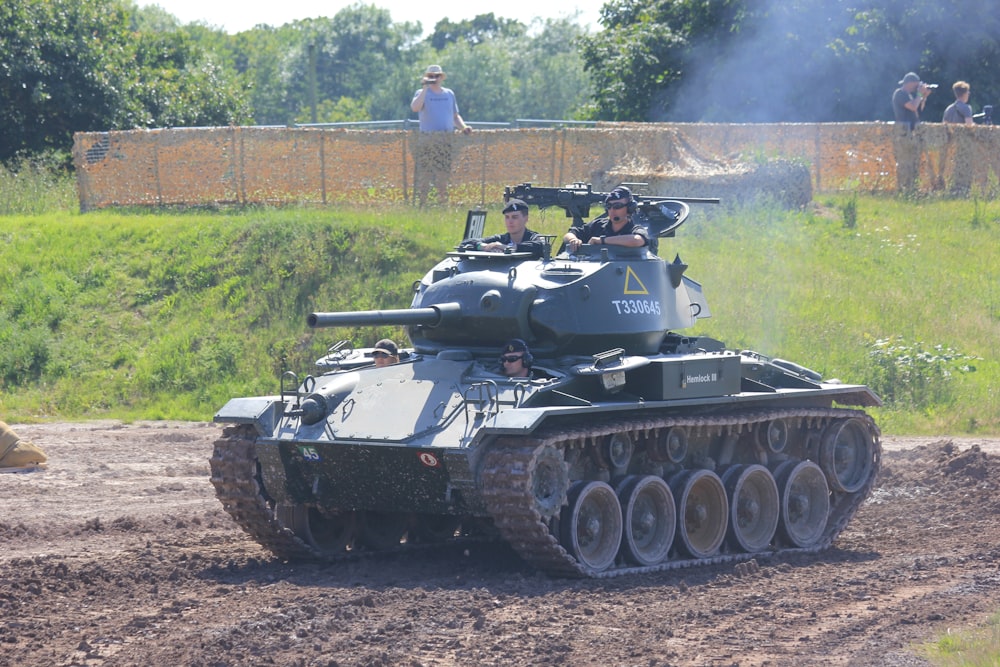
(234, 475)
(507, 488)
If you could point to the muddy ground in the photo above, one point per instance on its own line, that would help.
(119, 554)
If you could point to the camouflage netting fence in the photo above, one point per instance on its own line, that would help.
(250, 165)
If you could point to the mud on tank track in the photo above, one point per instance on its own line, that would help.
(120, 554)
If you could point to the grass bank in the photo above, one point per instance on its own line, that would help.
(158, 314)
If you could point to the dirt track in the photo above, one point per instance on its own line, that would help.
(119, 554)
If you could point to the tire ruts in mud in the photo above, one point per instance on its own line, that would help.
(507, 487)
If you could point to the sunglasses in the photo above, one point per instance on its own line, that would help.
(510, 360)
(618, 204)
(381, 355)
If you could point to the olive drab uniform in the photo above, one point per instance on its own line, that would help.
(17, 454)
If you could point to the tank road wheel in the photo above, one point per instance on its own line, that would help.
(773, 435)
(549, 481)
(383, 530)
(753, 506)
(591, 526)
(847, 455)
(702, 511)
(805, 501)
(617, 452)
(650, 518)
(670, 445)
(329, 534)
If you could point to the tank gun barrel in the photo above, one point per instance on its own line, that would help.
(431, 316)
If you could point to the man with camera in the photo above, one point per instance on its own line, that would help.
(907, 102)
(437, 109)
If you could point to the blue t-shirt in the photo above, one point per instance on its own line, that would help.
(438, 114)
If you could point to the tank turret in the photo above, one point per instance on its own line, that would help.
(630, 447)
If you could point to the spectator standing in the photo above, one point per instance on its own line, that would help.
(959, 111)
(960, 143)
(437, 109)
(907, 102)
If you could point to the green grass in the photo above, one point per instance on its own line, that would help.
(907, 300)
(168, 314)
(32, 186)
(977, 647)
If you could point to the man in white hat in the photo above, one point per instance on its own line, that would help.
(437, 109)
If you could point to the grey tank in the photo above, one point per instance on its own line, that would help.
(631, 448)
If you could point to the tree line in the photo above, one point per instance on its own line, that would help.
(96, 65)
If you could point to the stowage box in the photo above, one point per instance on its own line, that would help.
(687, 376)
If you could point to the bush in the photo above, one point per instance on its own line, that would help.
(911, 377)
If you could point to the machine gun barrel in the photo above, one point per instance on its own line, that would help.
(689, 200)
(431, 316)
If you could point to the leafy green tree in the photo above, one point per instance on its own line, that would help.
(347, 55)
(390, 100)
(800, 60)
(481, 77)
(518, 75)
(344, 110)
(260, 58)
(63, 67)
(181, 85)
(481, 29)
(645, 48)
(549, 72)
(81, 65)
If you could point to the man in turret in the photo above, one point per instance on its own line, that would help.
(617, 228)
(518, 237)
(17, 455)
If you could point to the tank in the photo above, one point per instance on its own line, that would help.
(631, 448)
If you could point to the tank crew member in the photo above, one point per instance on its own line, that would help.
(515, 359)
(386, 353)
(17, 454)
(615, 229)
(518, 236)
